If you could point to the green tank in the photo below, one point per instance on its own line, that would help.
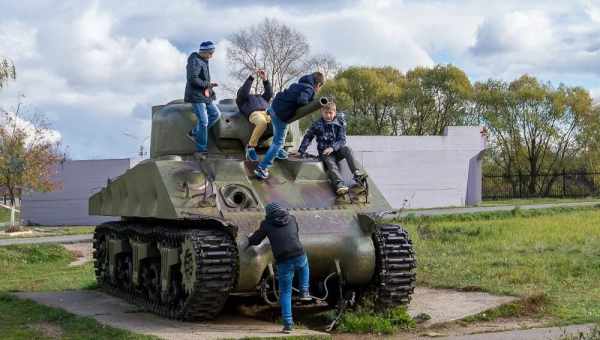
(179, 248)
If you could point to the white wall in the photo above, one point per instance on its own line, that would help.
(68, 204)
(424, 171)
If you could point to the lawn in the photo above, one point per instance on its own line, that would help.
(44, 268)
(5, 215)
(41, 268)
(553, 256)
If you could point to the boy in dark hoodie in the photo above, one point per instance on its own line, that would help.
(199, 92)
(330, 131)
(254, 107)
(282, 111)
(282, 230)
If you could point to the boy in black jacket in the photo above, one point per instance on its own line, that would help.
(282, 111)
(282, 230)
(330, 131)
(254, 107)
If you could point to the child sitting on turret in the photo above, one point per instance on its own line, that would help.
(330, 131)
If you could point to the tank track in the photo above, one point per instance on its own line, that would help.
(395, 263)
(216, 268)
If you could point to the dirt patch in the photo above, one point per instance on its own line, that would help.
(47, 329)
(81, 251)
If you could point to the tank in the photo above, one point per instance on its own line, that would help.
(179, 248)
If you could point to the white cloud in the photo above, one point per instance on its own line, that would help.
(95, 68)
(32, 132)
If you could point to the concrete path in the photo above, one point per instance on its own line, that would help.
(441, 304)
(48, 239)
(550, 333)
(115, 312)
(445, 305)
(473, 210)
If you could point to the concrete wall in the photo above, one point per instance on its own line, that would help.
(411, 171)
(425, 171)
(68, 205)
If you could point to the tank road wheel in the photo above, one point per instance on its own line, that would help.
(209, 269)
(125, 271)
(395, 264)
(150, 275)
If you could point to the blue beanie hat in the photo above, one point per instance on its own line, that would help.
(273, 208)
(207, 46)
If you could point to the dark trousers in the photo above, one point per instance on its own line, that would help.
(332, 167)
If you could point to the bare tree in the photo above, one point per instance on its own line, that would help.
(278, 49)
(324, 63)
(7, 71)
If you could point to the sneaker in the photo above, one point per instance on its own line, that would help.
(282, 154)
(190, 136)
(261, 173)
(287, 329)
(341, 190)
(251, 154)
(305, 297)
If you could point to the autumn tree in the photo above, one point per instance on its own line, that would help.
(278, 49)
(28, 155)
(534, 127)
(369, 96)
(434, 98)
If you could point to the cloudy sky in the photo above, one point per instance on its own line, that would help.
(94, 68)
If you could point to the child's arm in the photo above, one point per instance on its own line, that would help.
(341, 139)
(244, 91)
(268, 92)
(193, 75)
(308, 137)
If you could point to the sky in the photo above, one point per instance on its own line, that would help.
(95, 68)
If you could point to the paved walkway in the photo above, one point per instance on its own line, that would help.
(528, 334)
(473, 210)
(48, 239)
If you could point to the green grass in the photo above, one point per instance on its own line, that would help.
(24, 319)
(366, 321)
(41, 268)
(541, 200)
(53, 231)
(5, 215)
(554, 253)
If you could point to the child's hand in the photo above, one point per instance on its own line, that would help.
(327, 151)
(261, 74)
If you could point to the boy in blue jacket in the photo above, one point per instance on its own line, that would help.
(330, 131)
(282, 111)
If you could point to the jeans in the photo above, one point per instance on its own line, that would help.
(279, 132)
(285, 275)
(332, 167)
(207, 115)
